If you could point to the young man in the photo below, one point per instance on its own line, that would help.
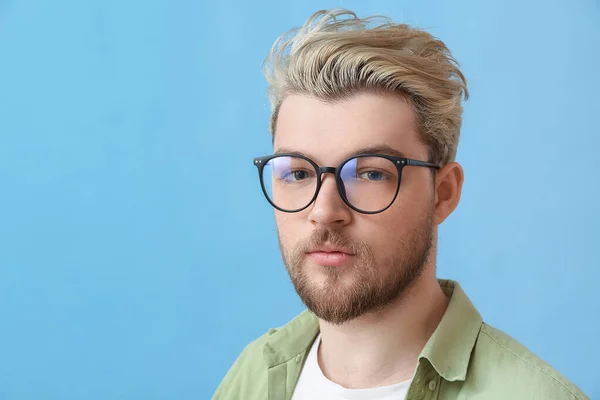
(365, 125)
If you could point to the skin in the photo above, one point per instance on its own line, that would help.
(376, 344)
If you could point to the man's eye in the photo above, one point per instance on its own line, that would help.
(372, 175)
(295, 176)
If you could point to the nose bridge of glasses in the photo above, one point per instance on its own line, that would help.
(326, 170)
(333, 171)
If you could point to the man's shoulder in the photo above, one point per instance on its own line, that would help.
(499, 359)
(248, 374)
(253, 352)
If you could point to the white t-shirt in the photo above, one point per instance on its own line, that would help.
(313, 385)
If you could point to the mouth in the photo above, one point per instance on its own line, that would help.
(330, 256)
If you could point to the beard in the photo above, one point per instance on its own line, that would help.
(372, 285)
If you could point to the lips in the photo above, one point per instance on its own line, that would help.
(330, 256)
(330, 248)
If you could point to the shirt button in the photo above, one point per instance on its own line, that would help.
(432, 385)
(298, 358)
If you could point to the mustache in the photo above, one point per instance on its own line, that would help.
(324, 235)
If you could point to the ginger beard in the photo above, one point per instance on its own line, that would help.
(337, 295)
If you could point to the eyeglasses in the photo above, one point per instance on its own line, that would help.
(367, 183)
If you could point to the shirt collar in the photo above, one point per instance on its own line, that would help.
(294, 338)
(448, 349)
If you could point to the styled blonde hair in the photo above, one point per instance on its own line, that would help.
(335, 55)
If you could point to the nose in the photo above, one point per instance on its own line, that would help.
(328, 208)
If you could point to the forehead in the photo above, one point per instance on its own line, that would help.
(331, 131)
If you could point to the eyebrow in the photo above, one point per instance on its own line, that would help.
(378, 149)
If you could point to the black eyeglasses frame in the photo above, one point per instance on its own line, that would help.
(399, 162)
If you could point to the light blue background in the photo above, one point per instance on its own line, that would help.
(137, 254)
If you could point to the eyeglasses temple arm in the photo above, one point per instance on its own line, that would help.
(418, 163)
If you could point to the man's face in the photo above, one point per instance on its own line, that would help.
(378, 255)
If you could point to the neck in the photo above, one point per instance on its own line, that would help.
(382, 348)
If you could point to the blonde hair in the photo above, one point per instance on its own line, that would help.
(335, 55)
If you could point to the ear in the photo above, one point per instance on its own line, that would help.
(448, 187)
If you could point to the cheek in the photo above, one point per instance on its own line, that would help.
(381, 236)
(411, 206)
(288, 227)
(394, 225)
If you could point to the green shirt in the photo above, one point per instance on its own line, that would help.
(464, 359)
